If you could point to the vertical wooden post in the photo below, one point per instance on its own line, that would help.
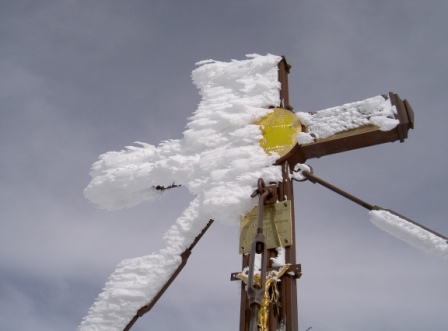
(287, 317)
(244, 304)
(287, 286)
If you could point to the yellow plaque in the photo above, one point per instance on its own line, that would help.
(277, 226)
(280, 130)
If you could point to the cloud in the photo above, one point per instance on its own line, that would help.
(81, 79)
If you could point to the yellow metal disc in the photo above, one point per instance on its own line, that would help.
(280, 130)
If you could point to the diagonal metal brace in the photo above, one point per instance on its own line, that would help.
(185, 255)
(308, 175)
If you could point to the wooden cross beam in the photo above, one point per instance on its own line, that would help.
(360, 137)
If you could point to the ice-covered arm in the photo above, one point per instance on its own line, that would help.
(354, 125)
(136, 174)
(393, 223)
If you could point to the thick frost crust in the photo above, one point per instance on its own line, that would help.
(219, 160)
(219, 149)
(376, 111)
(409, 232)
(136, 281)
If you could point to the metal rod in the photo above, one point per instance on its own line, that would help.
(255, 292)
(364, 204)
(315, 179)
(254, 310)
(185, 255)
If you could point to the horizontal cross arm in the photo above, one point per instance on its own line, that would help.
(360, 137)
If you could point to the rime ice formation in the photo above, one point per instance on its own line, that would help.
(376, 111)
(219, 149)
(219, 160)
(409, 232)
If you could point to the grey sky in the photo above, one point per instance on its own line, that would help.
(80, 78)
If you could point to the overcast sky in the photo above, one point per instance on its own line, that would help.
(80, 78)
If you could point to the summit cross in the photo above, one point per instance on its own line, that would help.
(243, 130)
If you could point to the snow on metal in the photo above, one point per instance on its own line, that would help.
(376, 111)
(410, 233)
(219, 160)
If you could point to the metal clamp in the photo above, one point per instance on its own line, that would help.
(299, 170)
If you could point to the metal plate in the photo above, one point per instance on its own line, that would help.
(277, 226)
(280, 130)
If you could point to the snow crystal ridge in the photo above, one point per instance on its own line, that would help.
(377, 111)
(410, 233)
